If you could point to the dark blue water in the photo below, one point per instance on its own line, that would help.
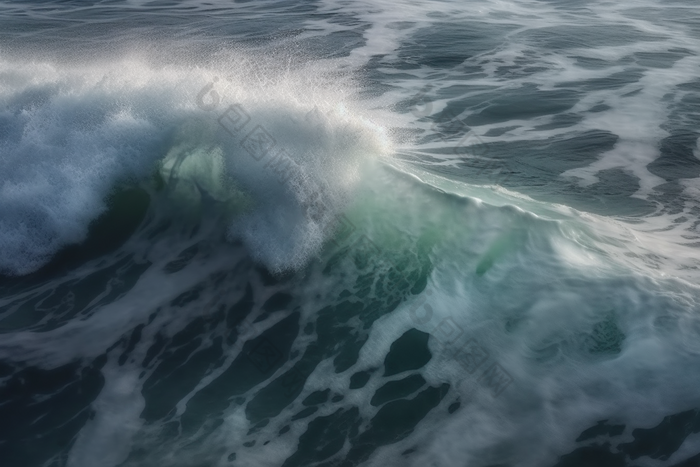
(347, 233)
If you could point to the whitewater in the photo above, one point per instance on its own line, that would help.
(349, 233)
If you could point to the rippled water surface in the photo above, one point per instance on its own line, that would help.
(349, 233)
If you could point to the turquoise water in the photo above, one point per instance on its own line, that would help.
(347, 233)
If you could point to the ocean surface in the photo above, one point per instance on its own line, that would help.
(347, 233)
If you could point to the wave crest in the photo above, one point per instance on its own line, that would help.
(70, 134)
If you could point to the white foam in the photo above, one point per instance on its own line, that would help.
(107, 438)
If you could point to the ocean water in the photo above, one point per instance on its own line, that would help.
(349, 233)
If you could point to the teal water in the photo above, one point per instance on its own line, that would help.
(344, 233)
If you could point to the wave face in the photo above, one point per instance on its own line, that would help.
(349, 233)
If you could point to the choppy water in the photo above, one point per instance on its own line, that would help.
(346, 233)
